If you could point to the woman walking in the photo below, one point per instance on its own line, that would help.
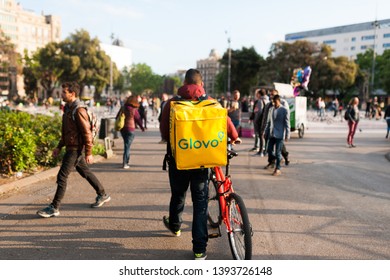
(387, 118)
(353, 120)
(130, 108)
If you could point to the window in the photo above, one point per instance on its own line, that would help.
(387, 35)
(368, 37)
(353, 48)
(363, 47)
(353, 39)
(328, 42)
(386, 45)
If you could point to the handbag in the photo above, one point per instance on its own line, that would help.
(120, 120)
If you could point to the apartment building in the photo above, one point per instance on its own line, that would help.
(349, 40)
(27, 31)
(209, 68)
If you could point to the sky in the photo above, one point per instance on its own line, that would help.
(171, 35)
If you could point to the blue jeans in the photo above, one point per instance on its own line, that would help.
(71, 160)
(197, 180)
(128, 138)
(275, 151)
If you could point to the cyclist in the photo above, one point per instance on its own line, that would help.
(196, 179)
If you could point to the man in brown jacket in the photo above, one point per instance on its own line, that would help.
(77, 138)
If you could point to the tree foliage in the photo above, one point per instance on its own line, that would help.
(85, 62)
(9, 58)
(245, 64)
(77, 58)
(143, 80)
(384, 70)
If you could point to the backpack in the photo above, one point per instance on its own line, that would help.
(93, 121)
(347, 113)
(198, 134)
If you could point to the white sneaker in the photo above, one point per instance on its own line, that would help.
(126, 166)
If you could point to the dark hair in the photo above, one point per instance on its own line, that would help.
(262, 92)
(72, 87)
(193, 77)
(276, 97)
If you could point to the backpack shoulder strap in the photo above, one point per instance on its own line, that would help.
(75, 109)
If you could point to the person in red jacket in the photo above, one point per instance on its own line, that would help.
(196, 179)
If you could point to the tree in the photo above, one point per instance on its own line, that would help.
(328, 73)
(44, 66)
(245, 64)
(384, 70)
(10, 65)
(143, 80)
(85, 62)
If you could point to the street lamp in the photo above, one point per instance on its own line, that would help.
(229, 63)
(376, 25)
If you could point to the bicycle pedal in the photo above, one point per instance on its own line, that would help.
(214, 235)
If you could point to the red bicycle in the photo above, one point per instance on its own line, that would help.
(228, 207)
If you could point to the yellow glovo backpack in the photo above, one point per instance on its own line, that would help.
(198, 134)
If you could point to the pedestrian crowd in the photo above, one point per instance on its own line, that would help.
(269, 113)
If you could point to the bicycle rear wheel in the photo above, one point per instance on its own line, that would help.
(240, 238)
(214, 213)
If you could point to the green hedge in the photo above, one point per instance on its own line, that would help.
(27, 141)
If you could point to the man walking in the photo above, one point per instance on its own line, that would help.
(196, 179)
(278, 129)
(77, 139)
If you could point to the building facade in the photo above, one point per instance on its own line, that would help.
(209, 68)
(349, 40)
(27, 30)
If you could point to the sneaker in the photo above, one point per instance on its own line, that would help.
(126, 166)
(166, 224)
(277, 172)
(353, 146)
(269, 166)
(286, 162)
(162, 142)
(100, 200)
(200, 256)
(48, 212)
(254, 149)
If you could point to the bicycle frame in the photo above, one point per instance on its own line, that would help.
(225, 188)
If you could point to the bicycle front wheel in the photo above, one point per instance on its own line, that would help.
(240, 237)
(213, 214)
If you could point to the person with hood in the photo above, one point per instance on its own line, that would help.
(196, 179)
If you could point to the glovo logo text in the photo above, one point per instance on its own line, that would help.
(191, 143)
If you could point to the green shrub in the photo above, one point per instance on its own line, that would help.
(27, 141)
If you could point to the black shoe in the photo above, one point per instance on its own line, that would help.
(254, 149)
(166, 224)
(48, 212)
(269, 166)
(100, 200)
(287, 162)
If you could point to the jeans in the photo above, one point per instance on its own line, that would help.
(128, 137)
(275, 151)
(197, 180)
(74, 159)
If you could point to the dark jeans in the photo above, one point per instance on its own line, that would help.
(197, 180)
(271, 157)
(128, 138)
(74, 159)
(275, 151)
